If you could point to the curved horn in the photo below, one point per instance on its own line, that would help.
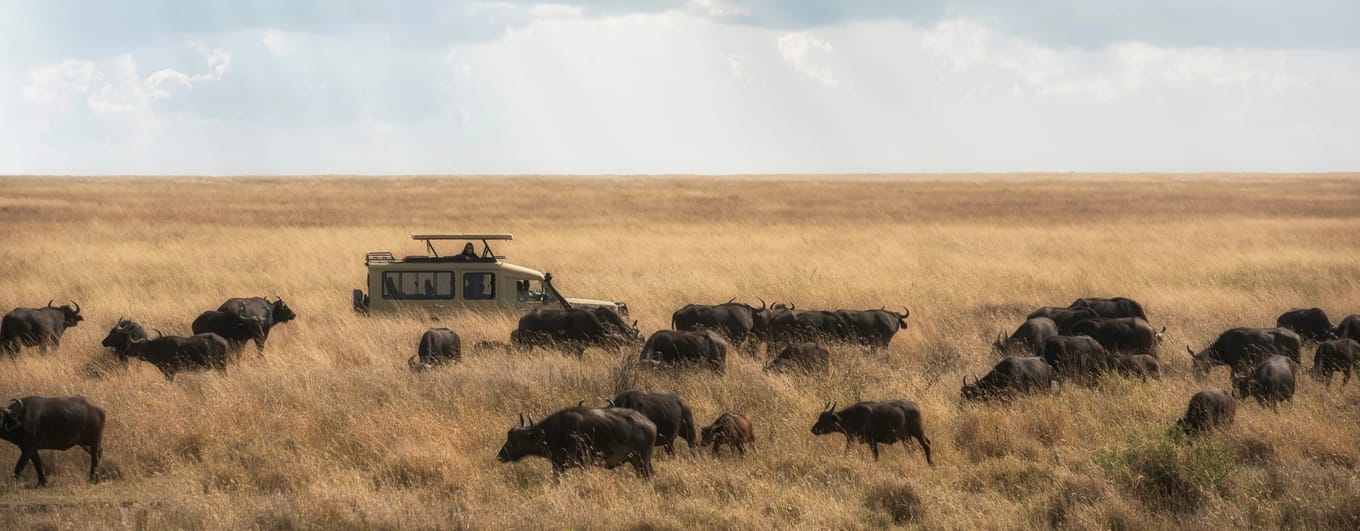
(580, 403)
(908, 312)
(77, 305)
(521, 420)
(882, 308)
(833, 406)
(731, 300)
(792, 307)
(158, 333)
(965, 380)
(531, 419)
(13, 402)
(1187, 349)
(762, 304)
(49, 302)
(826, 406)
(1163, 330)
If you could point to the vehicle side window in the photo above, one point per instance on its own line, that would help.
(529, 291)
(479, 286)
(418, 285)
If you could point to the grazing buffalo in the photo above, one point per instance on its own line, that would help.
(437, 347)
(732, 429)
(875, 423)
(799, 326)
(741, 324)
(1349, 327)
(1011, 376)
(1208, 410)
(233, 327)
(120, 336)
(573, 329)
(36, 423)
(1140, 365)
(171, 354)
(668, 412)
(270, 313)
(1064, 318)
(37, 327)
(671, 348)
(806, 357)
(1271, 382)
(1028, 339)
(873, 328)
(1130, 335)
(1079, 358)
(1242, 348)
(583, 436)
(1310, 323)
(1112, 308)
(1335, 355)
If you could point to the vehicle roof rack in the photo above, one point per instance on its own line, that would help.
(379, 257)
(473, 236)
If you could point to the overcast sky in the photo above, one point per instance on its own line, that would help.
(696, 86)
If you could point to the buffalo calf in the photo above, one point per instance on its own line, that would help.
(437, 347)
(36, 423)
(806, 357)
(1208, 410)
(1335, 355)
(731, 429)
(1271, 382)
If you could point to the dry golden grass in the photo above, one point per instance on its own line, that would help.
(330, 430)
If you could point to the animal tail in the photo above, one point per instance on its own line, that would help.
(687, 428)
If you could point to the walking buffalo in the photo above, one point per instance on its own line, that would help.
(1112, 308)
(1131, 335)
(668, 412)
(1064, 318)
(120, 336)
(732, 429)
(875, 423)
(1079, 358)
(170, 354)
(1349, 327)
(1029, 338)
(1310, 323)
(1271, 382)
(270, 313)
(37, 327)
(807, 357)
(233, 327)
(673, 348)
(573, 329)
(583, 436)
(1335, 355)
(1208, 410)
(437, 347)
(799, 326)
(1242, 348)
(36, 423)
(1011, 376)
(873, 328)
(739, 323)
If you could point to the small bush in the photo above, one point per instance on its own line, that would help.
(1166, 474)
(898, 500)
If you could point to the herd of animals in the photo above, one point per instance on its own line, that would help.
(1054, 345)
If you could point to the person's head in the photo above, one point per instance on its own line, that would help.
(468, 249)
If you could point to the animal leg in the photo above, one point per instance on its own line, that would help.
(847, 444)
(95, 452)
(925, 445)
(38, 465)
(670, 447)
(873, 446)
(1347, 377)
(741, 448)
(716, 444)
(23, 461)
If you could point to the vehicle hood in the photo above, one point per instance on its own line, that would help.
(591, 303)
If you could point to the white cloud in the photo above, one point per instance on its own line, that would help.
(962, 42)
(802, 51)
(554, 11)
(59, 80)
(717, 9)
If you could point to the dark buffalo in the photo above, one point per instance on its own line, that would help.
(1111, 308)
(583, 436)
(36, 423)
(1130, 335)
(1349, 327)
(732, 429)
(37, 327)
(1208, 410)
(1029, 338)
(233, 327)
(1271, 382)
(1064, 318)
(672, 348)
(807, 357)
(1242, 348)
(120, 336)
(1310, 323)
(668, 412)
(1079, 358)
(171, 354)
(741, 324)
(1010, 376)
(873, 328)
(875, 423)
(1140, 365)
(1335, 355)
(573, 329)
(437, 347)
(270, 313)
(799, 326)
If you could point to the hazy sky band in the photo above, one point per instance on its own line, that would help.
(703, 86)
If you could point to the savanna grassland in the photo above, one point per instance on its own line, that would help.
(330, 430)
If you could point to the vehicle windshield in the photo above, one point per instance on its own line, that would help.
(532, 291)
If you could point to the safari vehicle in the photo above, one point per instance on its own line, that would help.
(476, 282)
